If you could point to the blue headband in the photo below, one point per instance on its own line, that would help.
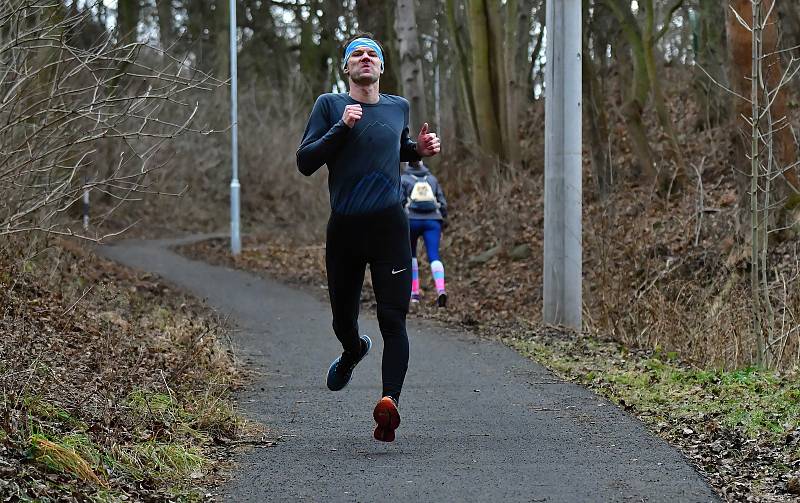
(362, 42)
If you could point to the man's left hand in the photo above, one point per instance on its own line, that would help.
(427, 143)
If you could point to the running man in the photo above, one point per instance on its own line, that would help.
(427, 215)
(362, 137)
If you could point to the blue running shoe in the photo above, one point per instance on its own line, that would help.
(341, 370)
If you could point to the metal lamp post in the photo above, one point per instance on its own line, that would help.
(562, 179)
(236, 243)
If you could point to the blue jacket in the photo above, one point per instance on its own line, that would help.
(411, 176)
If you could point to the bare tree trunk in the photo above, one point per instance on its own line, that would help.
(411, 63)
(197, 18)
(310, 55)
(128, 13)
(740, 44)
(650, 37)
(377, 17)
(594, 100)
(504, 36)
(790, 23)
(756, 219)
(488, 132)
(465, 72)
(708, 41)
(642, 42)
(329, 49)
(541, 20)
(498, 53)
(522, 89)
(222, 40)
(166, 23)
(633, 106)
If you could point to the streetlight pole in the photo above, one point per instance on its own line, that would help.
(562, 178)
(236, 243)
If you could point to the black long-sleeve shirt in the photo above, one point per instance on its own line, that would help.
(363, 162)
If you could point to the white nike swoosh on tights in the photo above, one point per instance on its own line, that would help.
(398, 272)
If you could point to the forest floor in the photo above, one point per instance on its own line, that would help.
(113, 385)
(738, 427)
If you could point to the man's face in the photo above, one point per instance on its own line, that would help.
(364, 66)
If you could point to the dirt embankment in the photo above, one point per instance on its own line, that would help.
(114, 385)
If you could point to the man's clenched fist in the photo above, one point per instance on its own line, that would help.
(351, 114)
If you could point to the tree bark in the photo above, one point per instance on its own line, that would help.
(498, 70)
(309, 58)
(464, 70)
(541, 20)
(633, 107)
(378, 17)
(488, 125)
(128, 13)
(740, 45)
(709, 46)
(197, 17)
(222, 67)
(642, 42)
(166, 23)
(504, 40)
(521, 62)
(594, 100)
(649, 38)
(411, 63)
(790, 23)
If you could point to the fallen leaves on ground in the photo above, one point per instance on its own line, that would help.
(113, 384)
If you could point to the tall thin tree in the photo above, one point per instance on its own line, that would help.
(411, 62)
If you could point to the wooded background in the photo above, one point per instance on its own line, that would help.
(474, 70)
(666, 99)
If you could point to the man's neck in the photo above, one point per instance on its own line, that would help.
(364, 93)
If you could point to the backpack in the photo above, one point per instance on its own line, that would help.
(422, 198)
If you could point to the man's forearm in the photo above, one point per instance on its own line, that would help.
(314, 153)
(408, 151)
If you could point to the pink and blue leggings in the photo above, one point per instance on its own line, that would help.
(431, 233)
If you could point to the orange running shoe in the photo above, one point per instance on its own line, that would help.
(388, 419)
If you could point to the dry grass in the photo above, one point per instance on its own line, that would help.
(110, 382)
(63, 459)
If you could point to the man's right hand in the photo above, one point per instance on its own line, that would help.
(351, 114)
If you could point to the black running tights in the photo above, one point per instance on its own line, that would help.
(380, 239)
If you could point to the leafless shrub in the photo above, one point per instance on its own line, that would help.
(670, 278)
(64, 103)
(274, 195)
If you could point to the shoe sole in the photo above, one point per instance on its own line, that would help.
(327, 383)
(388, 419)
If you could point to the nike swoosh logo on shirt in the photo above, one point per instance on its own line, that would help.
(398, 272)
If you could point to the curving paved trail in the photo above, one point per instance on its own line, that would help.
(480, 423)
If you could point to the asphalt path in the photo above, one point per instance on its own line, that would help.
(479, 422)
